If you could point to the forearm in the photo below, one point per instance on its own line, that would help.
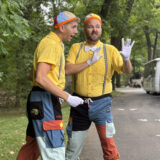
(127, 67)
(75, 68)
(48, 85)
(42, 79)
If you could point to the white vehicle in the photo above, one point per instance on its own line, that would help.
(151, 82)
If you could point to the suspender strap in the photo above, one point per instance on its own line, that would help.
(105, 59)
(105, 75)
(81, 45)
(60, 68)
(75, 79)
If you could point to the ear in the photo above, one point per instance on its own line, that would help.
(61, 28)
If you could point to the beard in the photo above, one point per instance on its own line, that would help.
(94, 36)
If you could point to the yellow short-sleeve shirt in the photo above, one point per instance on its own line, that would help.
(50, 50)
(89, 82)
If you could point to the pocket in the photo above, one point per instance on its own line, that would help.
(110, 130)
(36, 110)
(54, 133)
(108, 108)
(109, 116)
(53, 125)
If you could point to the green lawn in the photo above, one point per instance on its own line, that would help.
(13, 130)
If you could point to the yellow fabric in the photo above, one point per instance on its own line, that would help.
(89, 82)
(49, 51)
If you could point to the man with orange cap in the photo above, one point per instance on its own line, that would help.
(92, 64)
(45, 126)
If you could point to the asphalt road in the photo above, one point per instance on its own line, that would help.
(137, 121)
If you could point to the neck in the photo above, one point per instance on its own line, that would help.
(58, 34)
(91, 43)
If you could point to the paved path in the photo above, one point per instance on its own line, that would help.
(137, 122)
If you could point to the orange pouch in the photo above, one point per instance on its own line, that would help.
(53, 125)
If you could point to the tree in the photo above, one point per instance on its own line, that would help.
(12, 23)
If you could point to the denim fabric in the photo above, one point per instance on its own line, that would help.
(52, 138)
(100, 111)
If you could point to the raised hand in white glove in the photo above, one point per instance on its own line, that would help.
(74, 101)
(95, 56)
(126, 48)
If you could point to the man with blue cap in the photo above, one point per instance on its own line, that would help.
(92, 64)
(45, 130)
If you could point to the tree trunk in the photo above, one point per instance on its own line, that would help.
(149, 45)
(105, 8)
(155, 46)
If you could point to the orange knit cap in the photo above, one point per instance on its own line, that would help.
(92, 16)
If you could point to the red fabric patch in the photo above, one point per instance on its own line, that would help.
(55, 21)
(53, 125)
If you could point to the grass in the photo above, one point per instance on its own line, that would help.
(13, 125)
(13, 131)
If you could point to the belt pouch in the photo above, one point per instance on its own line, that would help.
(36, 110)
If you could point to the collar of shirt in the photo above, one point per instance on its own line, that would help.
(87, 48)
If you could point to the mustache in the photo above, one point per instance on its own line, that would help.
(94, 32)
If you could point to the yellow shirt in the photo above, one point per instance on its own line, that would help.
(89, 82)
(50, 50)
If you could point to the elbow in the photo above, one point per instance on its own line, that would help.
(39, 80)
(67, 73)
(128, 71)
(68, 69)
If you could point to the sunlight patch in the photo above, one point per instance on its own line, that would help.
(11, 152)
(157, 120)
(133, 109)
(143, 120)
(121, 109)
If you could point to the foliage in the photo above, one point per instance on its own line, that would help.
(17, 64)
(23, 23)
(12, 23)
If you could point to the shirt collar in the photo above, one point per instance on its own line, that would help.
(93, 48)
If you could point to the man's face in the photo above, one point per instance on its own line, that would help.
(70, 29)
(93, 30)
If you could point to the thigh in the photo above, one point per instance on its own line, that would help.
(100, 111)
(50, 126)
(79, 118)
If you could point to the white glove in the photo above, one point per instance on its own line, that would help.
(74, 101)
(126, 49)
(95, 56)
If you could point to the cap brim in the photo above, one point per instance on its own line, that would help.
(67, 21)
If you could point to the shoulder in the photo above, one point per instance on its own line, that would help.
(49, 41)
(77, 45)
(111, 47)
(111, 50)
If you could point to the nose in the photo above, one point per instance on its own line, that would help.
(76, 31)
(94, 28)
